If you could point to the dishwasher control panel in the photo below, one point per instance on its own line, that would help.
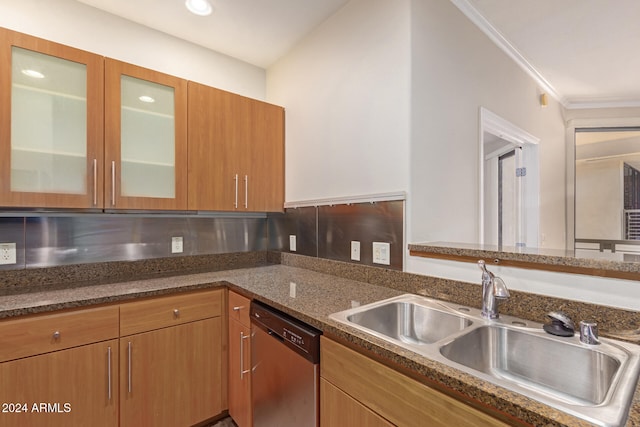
(302, 338)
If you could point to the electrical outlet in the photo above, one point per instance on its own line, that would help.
(381, 253)
(292, 242)
(176, 245)
(7, 253)
(355, 250)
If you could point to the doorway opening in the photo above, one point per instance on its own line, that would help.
(509, 184)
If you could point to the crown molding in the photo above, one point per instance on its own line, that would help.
(496, 36)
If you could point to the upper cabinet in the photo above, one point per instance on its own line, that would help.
(236, 152)
(145, 138)
(51, 124)
(78, 130)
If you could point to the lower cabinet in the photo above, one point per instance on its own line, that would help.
(239, 374)
(60, 369)
(171, 360)
(376, 395)
(150, 362)
(339, 409)
(171, 377)
(74, 387)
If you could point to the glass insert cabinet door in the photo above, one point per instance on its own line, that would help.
(50, 124)
(145, 139)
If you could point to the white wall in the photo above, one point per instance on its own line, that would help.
(75, 24)
(346, 88)
(456, 70)
(599, 199)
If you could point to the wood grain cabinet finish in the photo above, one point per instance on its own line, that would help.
(51, 124)
(60, 369)
(239, 374)
(395, 397)
(236, 146)
(171, 374)
(145, 138)
(340, 409)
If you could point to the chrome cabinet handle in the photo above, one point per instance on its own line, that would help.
(235, 203)
(95, 182)
(246, 192)
(109, 372)
(129, 351)
(56, 335)
(242, 370)
(113, 183)
(176, 313)
(238, 308)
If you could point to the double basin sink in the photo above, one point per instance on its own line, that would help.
(592, 382)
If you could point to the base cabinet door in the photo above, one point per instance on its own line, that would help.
(171, 377)
(73, 387)
(240, 374)
(391, 395)
(339, 409)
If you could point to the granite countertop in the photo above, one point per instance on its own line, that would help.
(316, 295)
(535, 258)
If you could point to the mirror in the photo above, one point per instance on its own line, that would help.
(607, 193)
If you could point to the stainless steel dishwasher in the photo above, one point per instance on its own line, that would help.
(285, 357)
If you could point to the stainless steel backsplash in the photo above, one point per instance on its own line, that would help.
(326, 232)
(44, 241)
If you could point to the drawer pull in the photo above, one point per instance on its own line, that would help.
(238, 308)
(56, 335)
(176, 313)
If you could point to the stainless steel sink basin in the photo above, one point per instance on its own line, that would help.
(409, 320)
(578, 374)
(595, 383)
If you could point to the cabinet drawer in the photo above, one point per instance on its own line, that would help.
(146, 315)
(45, 333)
(239, 308)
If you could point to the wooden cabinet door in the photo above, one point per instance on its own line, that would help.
(218, 122)
(51, 124)
(339, 409)
(236, 152)
(171, 377)
(145, 138)
(240, 374)
(74, 387)
(265, 171)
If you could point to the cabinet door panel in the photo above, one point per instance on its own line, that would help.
(339, 409)
(145, 138)
(266, 170)
(51, 116)
(171, 377)
(65, 388)
(218, 123)
(240, 374)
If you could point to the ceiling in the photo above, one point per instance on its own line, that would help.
(255, 31)
(582, 52)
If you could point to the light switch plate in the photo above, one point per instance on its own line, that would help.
(355, 250)
(292, 242)
(176, 245)
(381, 253)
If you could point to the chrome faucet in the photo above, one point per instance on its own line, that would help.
(493, 288)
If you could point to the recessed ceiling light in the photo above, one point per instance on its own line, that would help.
(199, 7)
(146, 98)
(33, 73)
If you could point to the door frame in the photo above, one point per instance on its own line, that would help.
(491, 123)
